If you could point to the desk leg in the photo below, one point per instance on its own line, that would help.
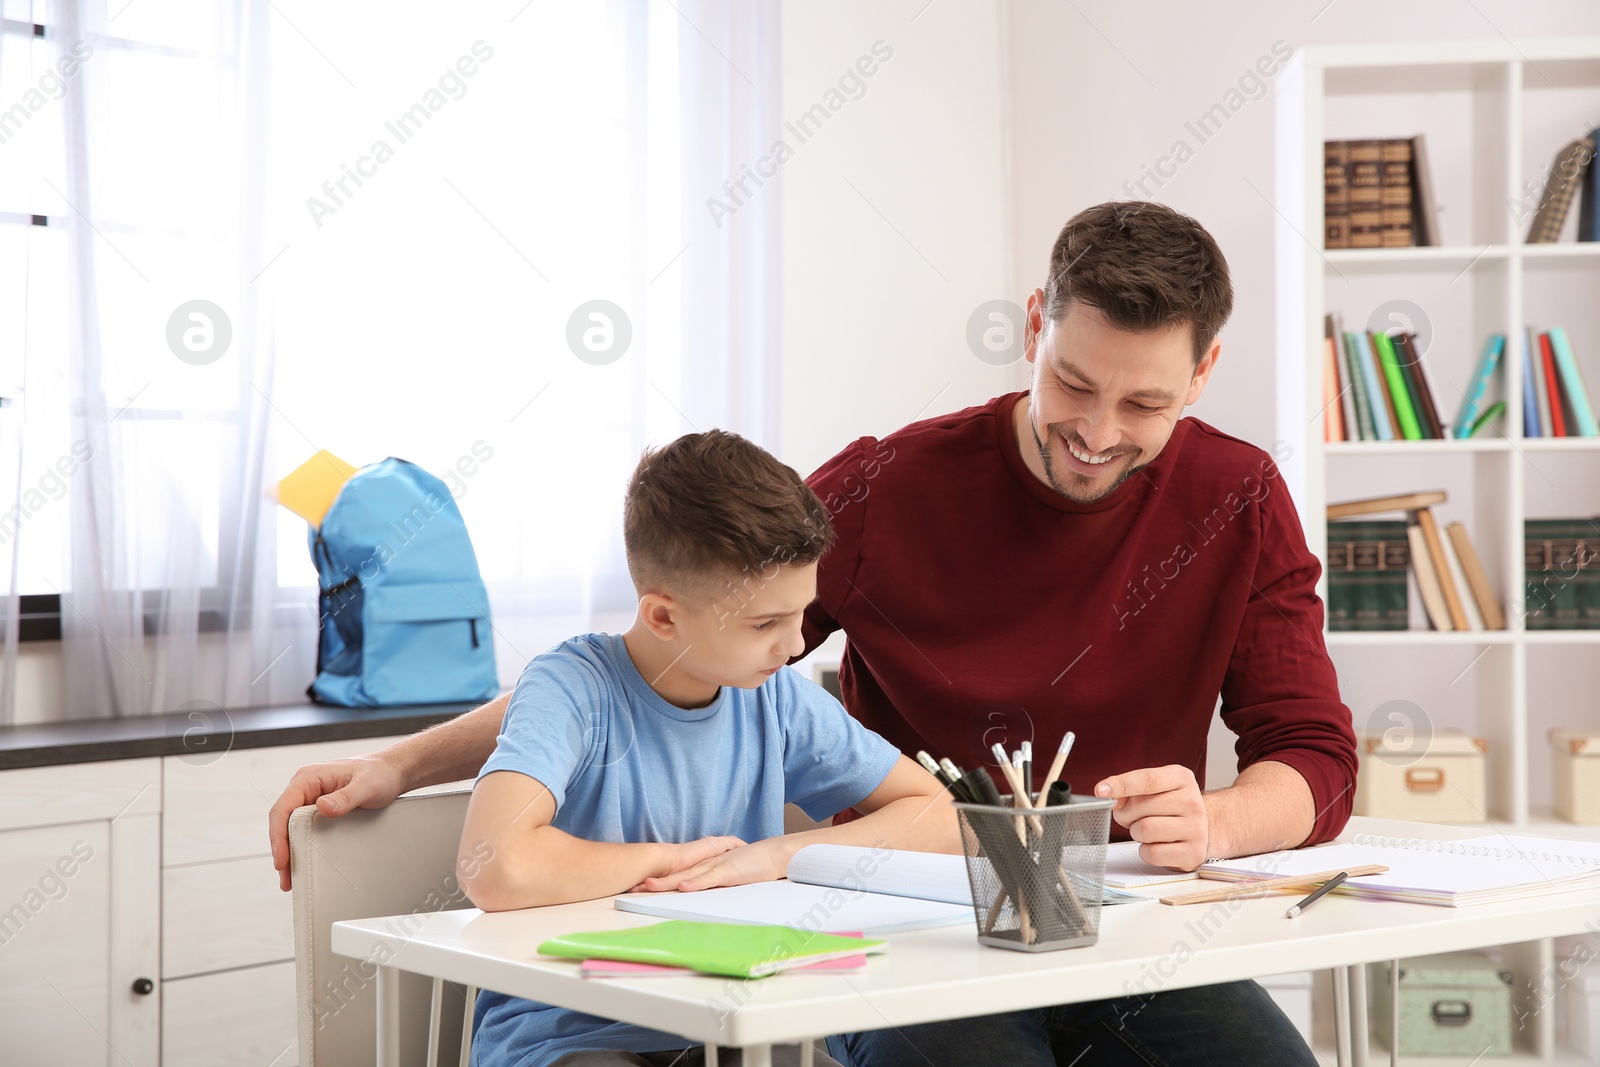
(1358, 1015)
(1341, 1015)
(757, 1056)
(806, 1049)
(388, 1017)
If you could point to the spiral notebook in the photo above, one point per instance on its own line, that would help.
(1479, 870)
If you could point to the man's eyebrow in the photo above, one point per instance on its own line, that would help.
(1164, 396)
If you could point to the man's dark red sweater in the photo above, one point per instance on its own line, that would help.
(981, 606)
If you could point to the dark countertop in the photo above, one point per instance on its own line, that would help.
(209, 730)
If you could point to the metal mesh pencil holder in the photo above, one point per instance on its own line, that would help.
(1036, 874)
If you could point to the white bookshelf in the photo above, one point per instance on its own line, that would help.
(1494, 112)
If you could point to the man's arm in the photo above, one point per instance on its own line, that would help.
(909, 810)
(1268, 807)
(447, 752)
(511, 857)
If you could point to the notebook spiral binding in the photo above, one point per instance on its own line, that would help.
(1455, 849)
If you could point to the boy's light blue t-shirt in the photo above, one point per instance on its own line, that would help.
(625, 765)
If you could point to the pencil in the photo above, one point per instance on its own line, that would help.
(1056, 764)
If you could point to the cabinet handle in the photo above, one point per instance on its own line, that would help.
(143, 986)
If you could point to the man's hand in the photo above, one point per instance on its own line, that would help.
(1164, 811)
(336, 788)
(764, 861)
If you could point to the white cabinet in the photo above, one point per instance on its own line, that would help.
(154, 869)
(80, 930)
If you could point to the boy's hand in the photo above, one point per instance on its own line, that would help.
(690, 855)
(763, 861)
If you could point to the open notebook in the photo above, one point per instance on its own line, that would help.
(1479, 870)
(877, 891)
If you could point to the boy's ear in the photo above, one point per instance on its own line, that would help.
(660, 614)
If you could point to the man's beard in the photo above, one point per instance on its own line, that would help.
(1079, 497)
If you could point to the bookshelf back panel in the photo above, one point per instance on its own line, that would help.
(1563, 691)
(1561, 485)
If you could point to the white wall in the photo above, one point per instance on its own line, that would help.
(894, 219)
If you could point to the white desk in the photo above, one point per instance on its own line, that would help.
(944, 974)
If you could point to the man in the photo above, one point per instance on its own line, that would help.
(1075, 557)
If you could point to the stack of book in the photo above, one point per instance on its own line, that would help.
(1367, 566)
(1555, 399)
(1561, 564)
(1377, 194)
(1450, 579)
(1375, 388)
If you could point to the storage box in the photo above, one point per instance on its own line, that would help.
(1582, 1017)
(1457, 1004)
(1577, 763)
(1444, 785)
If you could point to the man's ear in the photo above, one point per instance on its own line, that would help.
(660, 614)
(1033, 325)
(1202, 373)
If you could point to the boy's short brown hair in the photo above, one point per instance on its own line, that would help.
(1144, 267)
(711, 507)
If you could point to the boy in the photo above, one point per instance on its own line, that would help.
(648, 760)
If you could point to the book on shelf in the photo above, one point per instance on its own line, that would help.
(1561, 186)
(1377, 505)
(1423, 518)
(1428, 588)
(1588, 193)
(1417, 379)
(1366, 194)
(1474, 401)
(1561, 564)
(1336, 194)
(1378, 194)
(1332, 399)
(1477, 579)
(1368, 563)
(1555, 396)
(1531, 427)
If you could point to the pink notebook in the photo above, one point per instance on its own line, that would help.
(624, 969)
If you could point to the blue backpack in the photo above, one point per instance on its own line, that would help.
(404, 612)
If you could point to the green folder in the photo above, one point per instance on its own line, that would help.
(739, 950)
(1410, 429)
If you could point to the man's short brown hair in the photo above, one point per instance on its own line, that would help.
(1144, 267)
(711, 508)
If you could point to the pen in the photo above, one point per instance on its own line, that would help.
(1306, 903)
(1059, 762)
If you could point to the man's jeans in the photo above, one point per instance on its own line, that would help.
(1235, 1024)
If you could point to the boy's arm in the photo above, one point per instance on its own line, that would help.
(909, 810)
(447, 752)
(511, 857)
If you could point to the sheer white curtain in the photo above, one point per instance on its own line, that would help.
(167, 595)
(432, 246)
(432, 315)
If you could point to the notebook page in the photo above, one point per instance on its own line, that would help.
(810, 907)
(1125, 868)
(1441, 875)
(923, 875)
